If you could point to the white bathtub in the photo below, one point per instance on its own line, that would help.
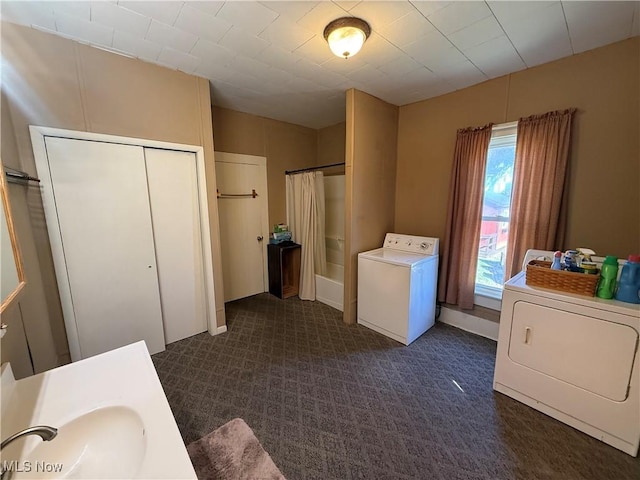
(330, 288)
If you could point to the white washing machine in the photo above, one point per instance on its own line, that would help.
(572, 357)
(397, 286)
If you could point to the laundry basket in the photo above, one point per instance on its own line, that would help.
(539, 274)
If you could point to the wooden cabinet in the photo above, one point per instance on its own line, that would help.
(284, 269)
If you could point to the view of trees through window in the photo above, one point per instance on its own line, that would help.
(495, 212)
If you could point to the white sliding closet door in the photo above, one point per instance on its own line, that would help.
(173, 190)
(102, 202)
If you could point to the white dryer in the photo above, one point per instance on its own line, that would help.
(572, 357)
(397, 286)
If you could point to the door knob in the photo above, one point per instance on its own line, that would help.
(260, 237)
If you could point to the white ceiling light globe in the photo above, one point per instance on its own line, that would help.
(346, 41)
(346, 36)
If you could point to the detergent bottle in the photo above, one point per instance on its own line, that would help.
(556, 265)
(608, 276)
(629, 285)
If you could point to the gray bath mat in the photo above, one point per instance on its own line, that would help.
(232, 452)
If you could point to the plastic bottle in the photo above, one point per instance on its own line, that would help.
(556, 265)
(571, 261)
(608, 275)
(629, 285)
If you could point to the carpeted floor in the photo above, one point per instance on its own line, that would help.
(335, 401)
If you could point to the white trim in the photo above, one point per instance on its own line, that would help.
(331, 303)
(501, 129)
(487, 302)
(261, 162)
(205, 236)
(38, 135)
(491, 297)
(102, 137)
(488, 297)
(469, 323)
(219, 330)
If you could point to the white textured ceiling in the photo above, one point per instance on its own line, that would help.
(270, 58)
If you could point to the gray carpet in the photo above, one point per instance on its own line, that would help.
(332, 401)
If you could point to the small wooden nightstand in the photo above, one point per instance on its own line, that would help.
(284, 269)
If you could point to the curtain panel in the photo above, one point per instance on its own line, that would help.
(305, 216)
(538, 199)
(464, 215)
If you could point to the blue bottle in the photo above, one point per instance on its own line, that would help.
(629, 284)
(556, 265)
(571, 261)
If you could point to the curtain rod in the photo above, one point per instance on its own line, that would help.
(12, 173)
(289, 172)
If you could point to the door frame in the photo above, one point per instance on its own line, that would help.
(38, 135)
(261, 162)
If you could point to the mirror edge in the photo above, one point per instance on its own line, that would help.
(4, 193)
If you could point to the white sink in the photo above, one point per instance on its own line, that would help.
(112, 416)
(109, 442)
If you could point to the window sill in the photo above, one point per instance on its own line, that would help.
(488, 297)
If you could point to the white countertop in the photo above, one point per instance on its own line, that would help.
(122, 377)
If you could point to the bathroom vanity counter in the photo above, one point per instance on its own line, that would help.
(108, 402)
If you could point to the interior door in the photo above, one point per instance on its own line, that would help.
(242, 238)
(175, 214)
(102, 203)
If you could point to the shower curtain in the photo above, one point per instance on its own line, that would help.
(305, 216)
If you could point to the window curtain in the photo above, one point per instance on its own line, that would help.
(305, 217)
(464, 215)
(538, 218)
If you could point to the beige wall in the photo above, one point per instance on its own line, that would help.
(31, 302)
(371, 148)
(285, 145)
(331, 142)
(54, 82)
(604, 190)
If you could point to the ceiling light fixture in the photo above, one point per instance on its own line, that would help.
(346, 35)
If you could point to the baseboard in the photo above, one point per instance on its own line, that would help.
(222, 329)
(470, 323)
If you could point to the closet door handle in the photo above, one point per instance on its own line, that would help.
(260, 238)
(527, 336)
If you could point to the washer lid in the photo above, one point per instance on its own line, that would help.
(396, 257)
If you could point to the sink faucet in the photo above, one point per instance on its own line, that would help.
(45, 432)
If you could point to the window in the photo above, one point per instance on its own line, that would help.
(494, 230)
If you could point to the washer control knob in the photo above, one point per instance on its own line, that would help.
(409, 242)
(424, 245)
